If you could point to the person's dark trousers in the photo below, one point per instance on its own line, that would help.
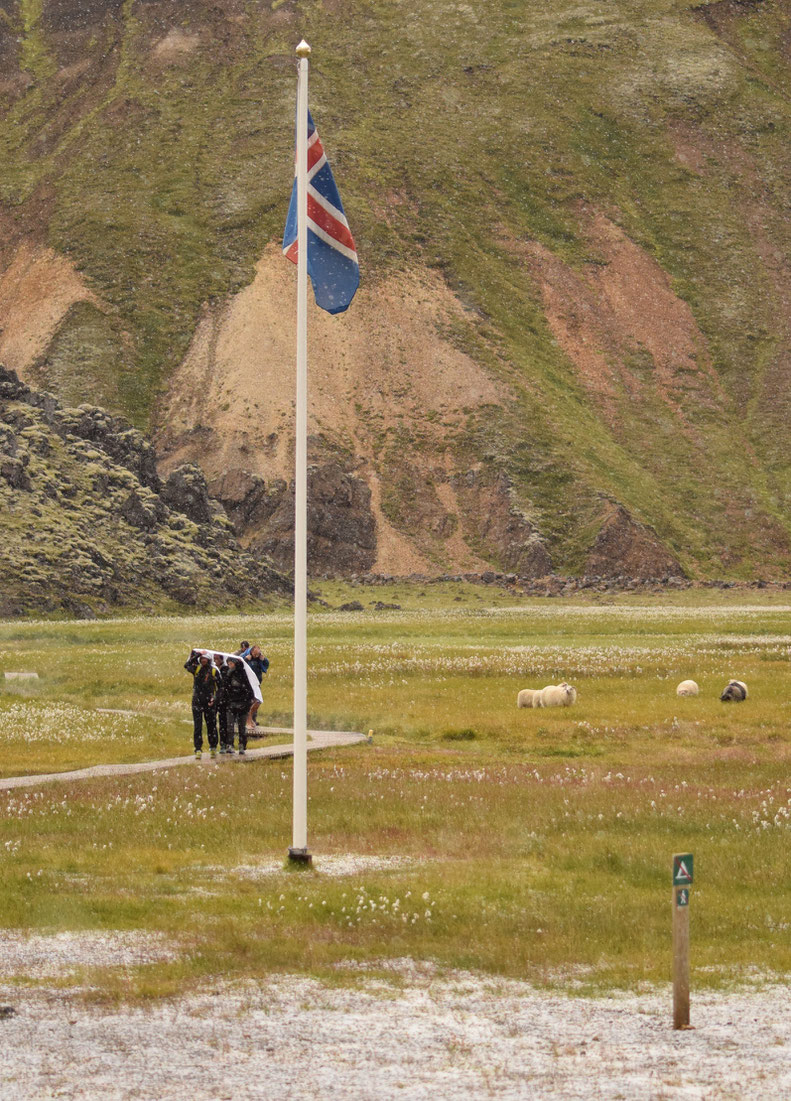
(222, 725)
(239, 722)
(205, 711)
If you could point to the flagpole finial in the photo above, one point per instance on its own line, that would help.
(303, 49)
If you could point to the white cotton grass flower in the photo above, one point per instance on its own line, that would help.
(33, 722)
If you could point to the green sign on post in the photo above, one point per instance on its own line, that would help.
(682, 882)
(682, 870)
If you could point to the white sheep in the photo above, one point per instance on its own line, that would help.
(555, 695)
(687, 688)
(734, 691)
(537, 697)
(526, 697)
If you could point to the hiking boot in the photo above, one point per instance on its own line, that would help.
(198, 754)
(213, 753)
(242, 752)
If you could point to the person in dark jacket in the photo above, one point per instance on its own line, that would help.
(259, 664)
(239, 695)
(221, 703)
(205, 681)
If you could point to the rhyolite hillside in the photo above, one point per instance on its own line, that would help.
(571, 350)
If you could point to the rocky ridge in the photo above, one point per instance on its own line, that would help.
(89, 526)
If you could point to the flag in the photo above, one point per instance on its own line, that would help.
(332, 256)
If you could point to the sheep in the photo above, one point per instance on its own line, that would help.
(526, 697)
(734, 691)
(555, 695)
(537, 697)
(687, 688)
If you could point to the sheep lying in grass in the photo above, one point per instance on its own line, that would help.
(687, 688)
(526, 697)
(734, 691)
(555, 695)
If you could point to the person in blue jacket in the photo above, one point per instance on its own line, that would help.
(260, 665)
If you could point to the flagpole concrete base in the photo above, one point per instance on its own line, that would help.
(300, 856)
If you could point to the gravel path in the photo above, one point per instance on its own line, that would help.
(428, 1038)
(317, 739)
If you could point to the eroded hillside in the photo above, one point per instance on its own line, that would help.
(571, 349)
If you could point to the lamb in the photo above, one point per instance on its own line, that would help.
(555, 695)
(526, 697)
(687, 688)
(734, 691)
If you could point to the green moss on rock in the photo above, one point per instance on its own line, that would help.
(76, 524)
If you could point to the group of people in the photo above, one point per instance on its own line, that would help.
(224, 696)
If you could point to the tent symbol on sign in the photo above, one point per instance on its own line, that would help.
(682, 870)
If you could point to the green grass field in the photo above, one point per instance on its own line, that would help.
(531, 843)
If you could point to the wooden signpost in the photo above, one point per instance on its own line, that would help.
(682, 882)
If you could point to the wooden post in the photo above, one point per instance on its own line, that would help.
(682, 882)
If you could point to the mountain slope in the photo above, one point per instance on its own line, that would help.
(573, 226)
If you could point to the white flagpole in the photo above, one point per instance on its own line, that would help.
(299, 848)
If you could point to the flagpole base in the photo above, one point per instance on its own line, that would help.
(300, 856)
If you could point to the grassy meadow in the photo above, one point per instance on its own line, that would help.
(526, 843)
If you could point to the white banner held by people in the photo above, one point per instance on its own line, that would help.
(252, 678)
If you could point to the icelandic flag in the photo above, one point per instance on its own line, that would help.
(332, 256)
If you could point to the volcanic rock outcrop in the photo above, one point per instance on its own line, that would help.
(87, 525)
